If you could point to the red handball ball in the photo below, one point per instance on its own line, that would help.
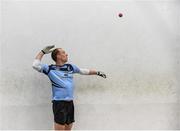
(120, 15)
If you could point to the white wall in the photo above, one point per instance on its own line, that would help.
(139, 52)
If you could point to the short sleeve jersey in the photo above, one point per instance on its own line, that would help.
(61, 78)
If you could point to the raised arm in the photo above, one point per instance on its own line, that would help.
(37, 62)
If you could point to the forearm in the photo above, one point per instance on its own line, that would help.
(46, 50)
(39, 55)
(92, 72)
(87, 72)
(37, 62)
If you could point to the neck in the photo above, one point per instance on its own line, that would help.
(60, 63)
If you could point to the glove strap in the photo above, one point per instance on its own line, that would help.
(43, 52)
(98, 73)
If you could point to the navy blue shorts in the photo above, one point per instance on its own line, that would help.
(63, 112)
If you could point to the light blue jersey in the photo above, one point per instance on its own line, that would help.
(61, 78)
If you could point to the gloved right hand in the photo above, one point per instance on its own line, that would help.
(48, 49)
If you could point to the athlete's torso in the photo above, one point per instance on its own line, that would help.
(61, 78)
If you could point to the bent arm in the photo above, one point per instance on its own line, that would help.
(37, 62)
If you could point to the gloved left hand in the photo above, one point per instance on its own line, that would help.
(99, 73)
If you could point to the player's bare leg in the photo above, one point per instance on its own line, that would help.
(68, 127)
(59, 127)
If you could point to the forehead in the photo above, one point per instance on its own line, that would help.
(60, 50)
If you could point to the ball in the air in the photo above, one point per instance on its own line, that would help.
(120, 15)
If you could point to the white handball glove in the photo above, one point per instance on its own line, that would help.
(99, 73)
(48, 49)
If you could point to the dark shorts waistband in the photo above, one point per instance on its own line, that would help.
(53, 101)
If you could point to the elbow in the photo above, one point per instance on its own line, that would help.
(37, 68)
(84, 72)
(36, 65)
(33, 66)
